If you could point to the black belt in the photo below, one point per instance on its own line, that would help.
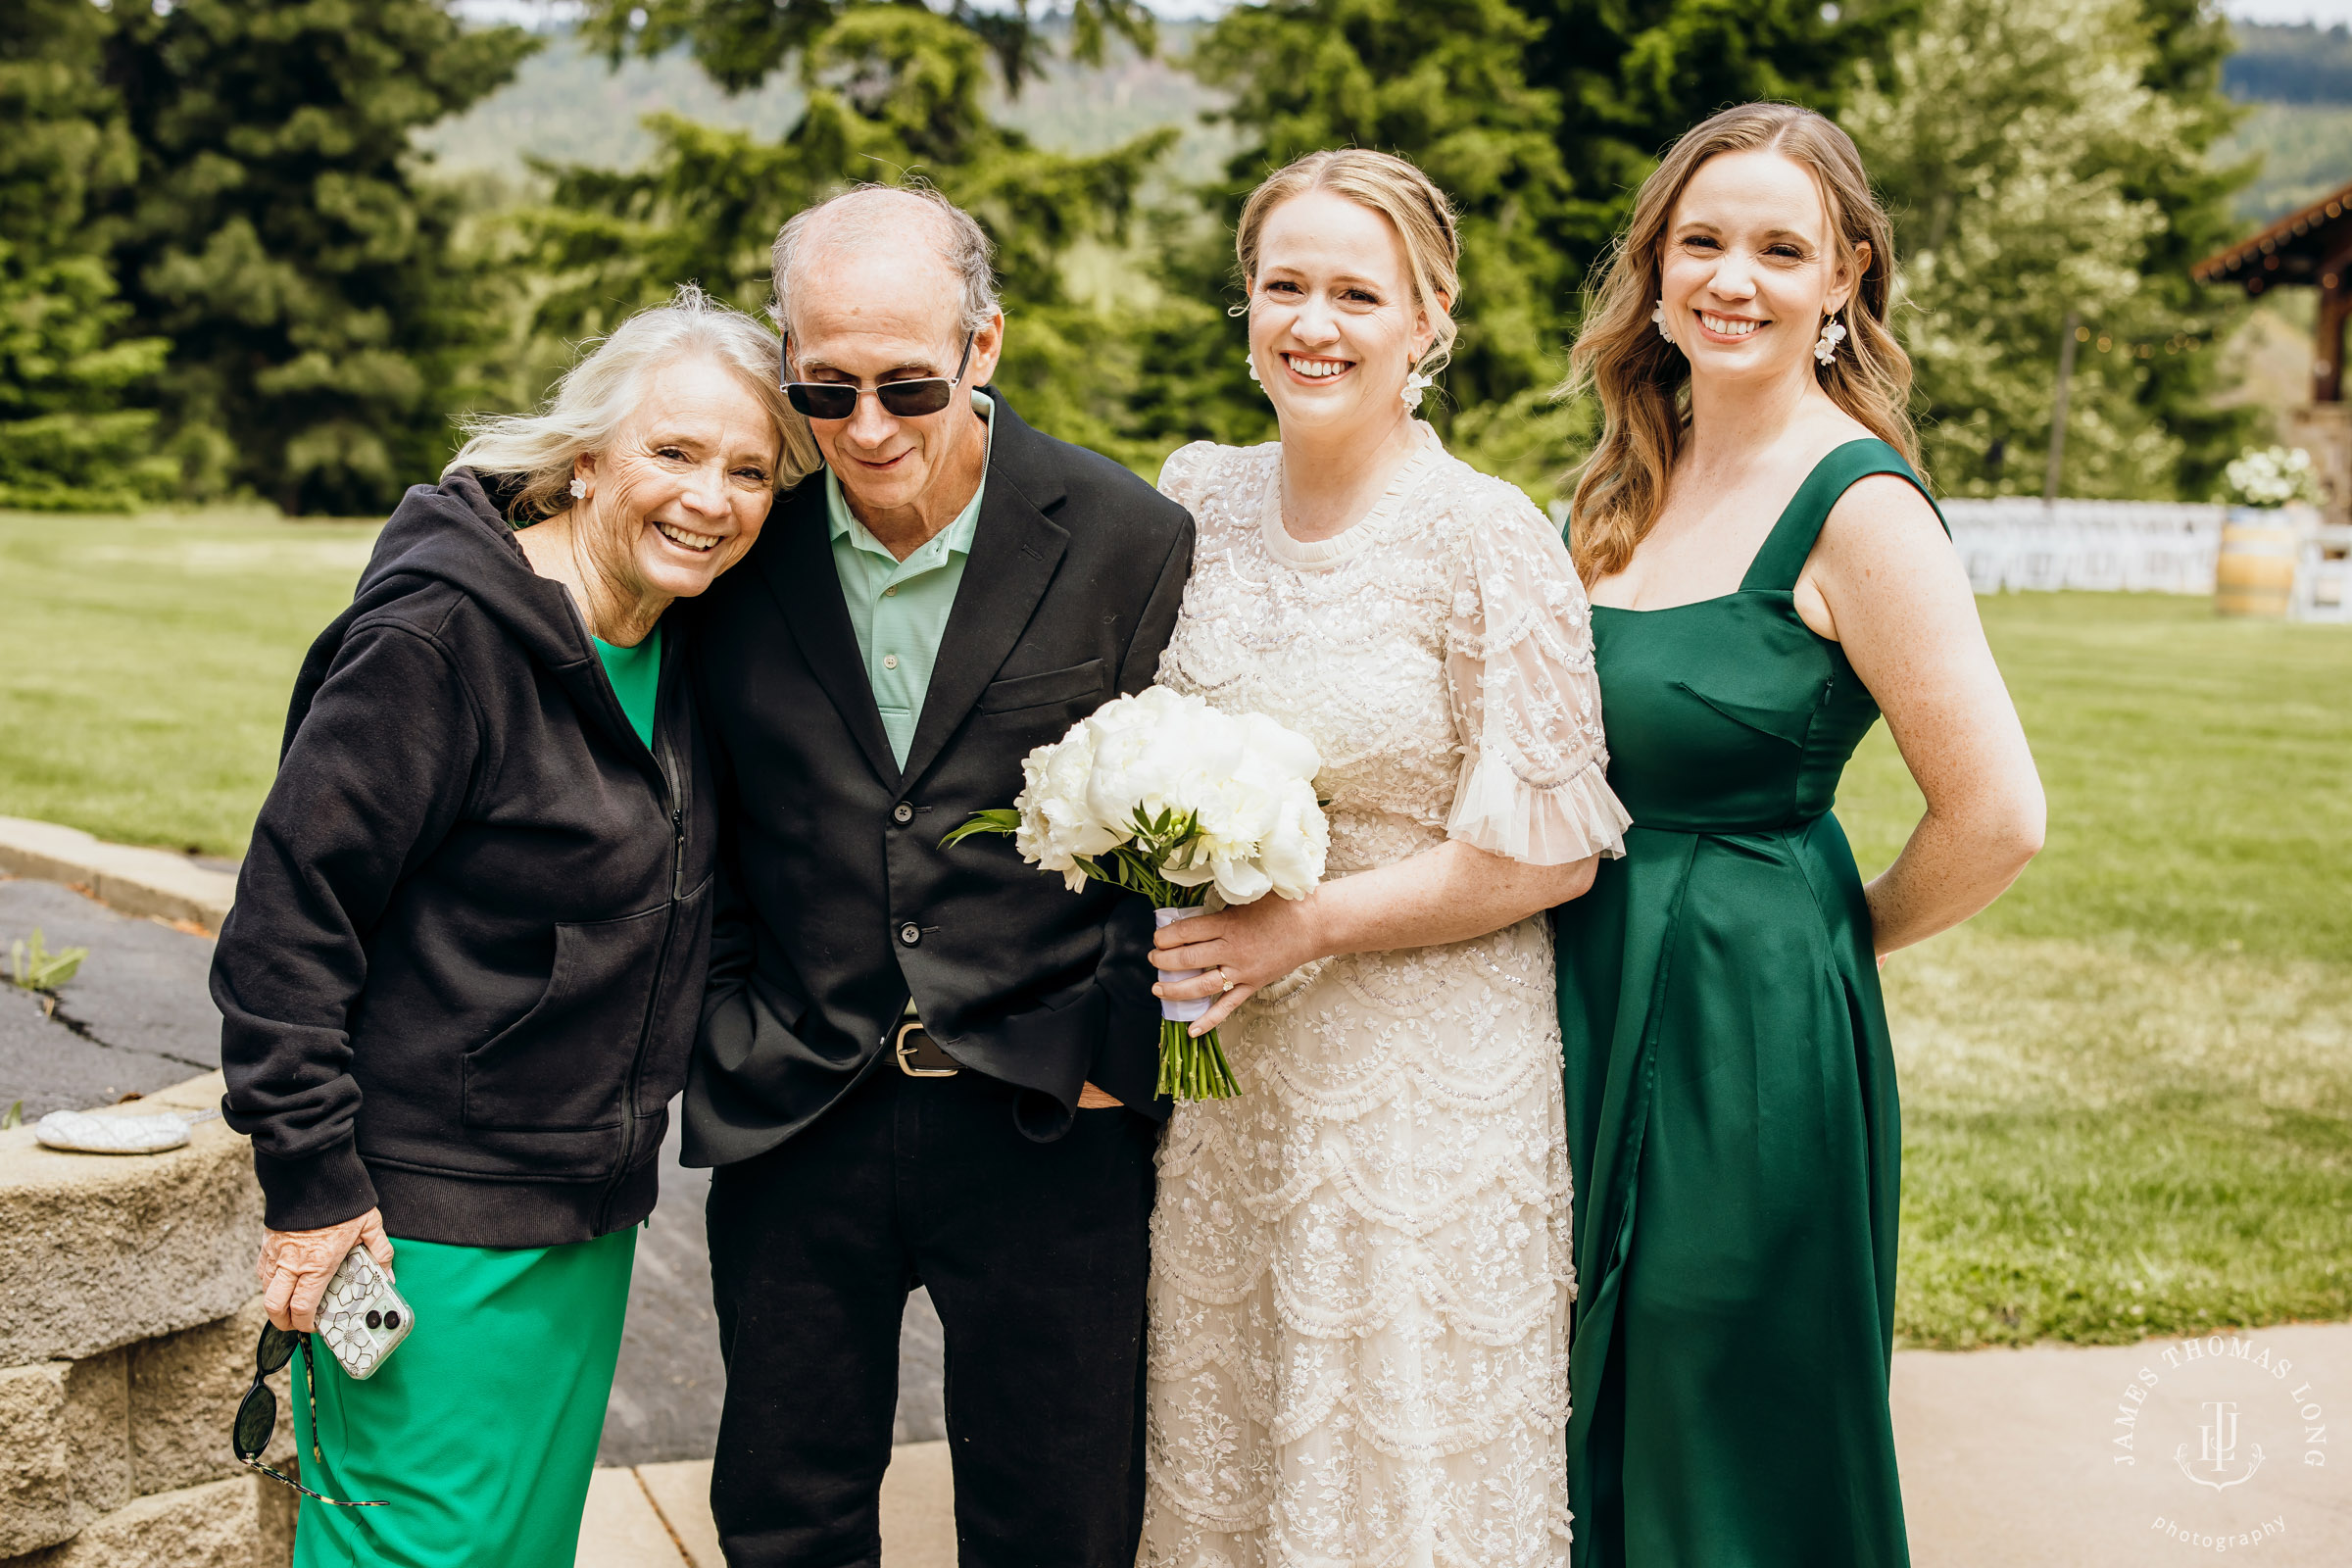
(919, 1056)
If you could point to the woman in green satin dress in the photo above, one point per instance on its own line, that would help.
(1767, 574)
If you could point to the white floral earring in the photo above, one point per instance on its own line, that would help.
(579, 489)
(1825, 347)
(1250, 357)
(1658, 319)
(1415, 384)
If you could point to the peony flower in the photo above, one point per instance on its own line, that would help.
(1175, 796)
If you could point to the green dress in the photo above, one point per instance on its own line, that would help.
(480, 1432)
(1732, 1118)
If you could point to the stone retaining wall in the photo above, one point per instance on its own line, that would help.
(128, 1320)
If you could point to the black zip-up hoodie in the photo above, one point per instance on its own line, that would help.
(463, 973)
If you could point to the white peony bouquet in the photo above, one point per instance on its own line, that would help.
(1163, 794)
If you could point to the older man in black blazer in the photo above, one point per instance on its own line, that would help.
(922, 1064)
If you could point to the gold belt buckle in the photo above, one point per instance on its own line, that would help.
(907, 1047)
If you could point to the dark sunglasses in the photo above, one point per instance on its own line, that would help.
(257, 1412)
(909, 400)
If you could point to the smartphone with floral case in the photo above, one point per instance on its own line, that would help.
(362, 1318)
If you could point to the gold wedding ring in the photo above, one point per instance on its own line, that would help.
(1225, 975)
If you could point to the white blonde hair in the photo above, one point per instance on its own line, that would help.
(597, 396)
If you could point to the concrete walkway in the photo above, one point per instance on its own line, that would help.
(658, 1515)
(2010, 1459)
(2050, 1458)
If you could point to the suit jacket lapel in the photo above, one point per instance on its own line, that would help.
(1015, 550)
(799, 572)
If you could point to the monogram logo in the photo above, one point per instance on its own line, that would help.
(2216, 1455)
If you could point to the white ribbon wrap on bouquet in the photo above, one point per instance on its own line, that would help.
(1169, 1006)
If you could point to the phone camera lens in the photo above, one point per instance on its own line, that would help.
(391, 1320)
(376, 1319)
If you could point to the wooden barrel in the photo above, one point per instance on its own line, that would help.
(2256, 572)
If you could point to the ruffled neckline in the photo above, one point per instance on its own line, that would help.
(1358, 534)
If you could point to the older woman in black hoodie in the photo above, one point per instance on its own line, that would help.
(461, 978)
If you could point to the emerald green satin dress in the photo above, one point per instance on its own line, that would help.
(1732, 1118)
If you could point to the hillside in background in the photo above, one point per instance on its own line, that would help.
(2297, 83)
(568, 105)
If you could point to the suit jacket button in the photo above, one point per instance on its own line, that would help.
(910, 933)
(902, 814)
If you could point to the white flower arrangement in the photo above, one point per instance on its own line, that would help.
(1165, 796)
(2273, 476)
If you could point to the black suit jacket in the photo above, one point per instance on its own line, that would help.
(836, 901)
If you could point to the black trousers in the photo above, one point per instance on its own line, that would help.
(1035, 1255)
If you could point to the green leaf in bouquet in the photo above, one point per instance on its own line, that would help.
(1001, 819)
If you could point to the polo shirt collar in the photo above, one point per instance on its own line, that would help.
(954, 539)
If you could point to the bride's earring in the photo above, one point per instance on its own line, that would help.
(1415, 384)
(1825, 347)
(1250, 357)
(579, 489)
(1658, 319)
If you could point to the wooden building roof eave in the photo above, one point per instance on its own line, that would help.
(2315, 236)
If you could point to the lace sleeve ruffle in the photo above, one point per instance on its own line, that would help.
(1519, 661)
(1180, 476)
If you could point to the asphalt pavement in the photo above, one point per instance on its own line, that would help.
(138, 1017)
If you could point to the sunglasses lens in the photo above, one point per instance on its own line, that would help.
(276, 1349)
(911, 399)
(257, 1418)
(821, 400)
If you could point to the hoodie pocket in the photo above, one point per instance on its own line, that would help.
(563, 1065)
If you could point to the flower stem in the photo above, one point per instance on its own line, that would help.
(1192, 1068)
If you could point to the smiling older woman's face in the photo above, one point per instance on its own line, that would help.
(678, 495)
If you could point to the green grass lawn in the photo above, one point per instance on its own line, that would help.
(2127, 1087)
(147, 664)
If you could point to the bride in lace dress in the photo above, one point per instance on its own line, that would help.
(1360, 1267)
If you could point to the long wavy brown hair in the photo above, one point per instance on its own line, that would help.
(1642, 381)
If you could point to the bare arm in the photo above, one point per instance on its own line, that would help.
(1893, 592)
(1448, 893)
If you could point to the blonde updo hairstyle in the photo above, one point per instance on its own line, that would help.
(1400, 193)
(597, 396)
(1643, 381)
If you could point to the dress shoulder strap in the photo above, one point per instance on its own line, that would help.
(1777, 565)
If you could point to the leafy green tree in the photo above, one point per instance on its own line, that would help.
(1538, 117)
(65, 364)
(2045, 160)
(322, 318)
(894, 92)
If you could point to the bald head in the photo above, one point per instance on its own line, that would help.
(886, 238)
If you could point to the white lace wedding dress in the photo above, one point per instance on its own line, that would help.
(1360, 1267)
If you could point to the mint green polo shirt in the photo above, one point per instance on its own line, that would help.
(900, 608)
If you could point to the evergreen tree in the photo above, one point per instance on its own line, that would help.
(322, 316)
(894, 92)
(1538, 117)
(2045, 160)
(2190, 43)
(64, 363)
